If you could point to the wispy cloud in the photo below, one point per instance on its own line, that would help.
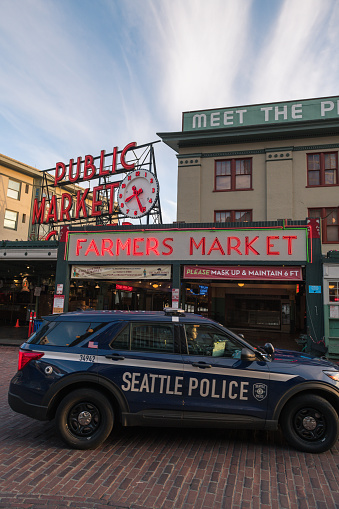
(300, 49)
(196, 49)
(77, 77)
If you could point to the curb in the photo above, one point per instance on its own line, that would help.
(11, 342)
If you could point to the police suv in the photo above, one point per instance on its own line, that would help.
(90, 370)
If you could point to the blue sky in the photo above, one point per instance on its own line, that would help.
(79, 76)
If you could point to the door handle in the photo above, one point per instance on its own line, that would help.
(202, 365)
(115, 357)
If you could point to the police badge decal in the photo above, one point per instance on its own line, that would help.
(260, 391)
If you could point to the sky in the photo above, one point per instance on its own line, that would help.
(80, 76)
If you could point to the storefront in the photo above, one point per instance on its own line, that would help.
(331, 302)
(27, 280)
(252, 297)
(256, 278)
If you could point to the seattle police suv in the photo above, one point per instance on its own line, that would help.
(89, 370)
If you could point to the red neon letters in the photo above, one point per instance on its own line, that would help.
(139, 246)
(58, 207)
(197, 246)
(90, 170)
(234, 244)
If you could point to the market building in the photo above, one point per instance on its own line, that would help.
(27, 265)
(190, 266)
(257, 212)
(28, 252)
(258, 163)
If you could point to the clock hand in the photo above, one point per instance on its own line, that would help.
(142, 209)
(132, 195)
(135, 193)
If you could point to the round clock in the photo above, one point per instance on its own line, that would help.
(138, 193)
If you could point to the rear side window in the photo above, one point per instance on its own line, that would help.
(145, 337)
(43, 329)
(65, 333)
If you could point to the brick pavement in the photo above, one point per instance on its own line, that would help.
(157, 468)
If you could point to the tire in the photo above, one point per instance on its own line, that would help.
(84, 419)
(310, 424)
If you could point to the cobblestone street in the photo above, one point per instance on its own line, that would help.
(157, 468)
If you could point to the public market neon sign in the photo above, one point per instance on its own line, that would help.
(57, 208)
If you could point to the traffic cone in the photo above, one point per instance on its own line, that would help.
(17, 323)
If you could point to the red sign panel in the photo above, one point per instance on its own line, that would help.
(124, 287)
(243, 273)
(200, 245)
(313, 225)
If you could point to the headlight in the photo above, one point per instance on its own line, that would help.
(333, 374)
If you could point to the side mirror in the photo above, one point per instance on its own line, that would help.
(248, 355)
(269, 348)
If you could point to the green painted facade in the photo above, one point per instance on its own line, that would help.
(331, 329)
(323, 108)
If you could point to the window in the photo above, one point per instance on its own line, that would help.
(152, 338)
(146, 337)
(26, 188)
(233, 175)
(329, 222)
(24, 218)
(226, 216)
(11, 219)
(13, 190)
(333, 290)
(322, 169)
(121, 341)
(206, 340)
(65, 333)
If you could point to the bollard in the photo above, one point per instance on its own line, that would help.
(30, 326)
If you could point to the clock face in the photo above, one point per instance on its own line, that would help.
(138, 193)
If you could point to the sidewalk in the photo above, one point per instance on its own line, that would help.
(13, 336)
(162, 468)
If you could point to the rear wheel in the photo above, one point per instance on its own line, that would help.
(84, 419)
(310, 424)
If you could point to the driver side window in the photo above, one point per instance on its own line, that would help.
(205, 340)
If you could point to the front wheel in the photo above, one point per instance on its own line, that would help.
(84, 419)
(310, 424)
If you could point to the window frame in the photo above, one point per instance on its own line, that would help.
(93, 330)
(335, 293)
(211, 330)
(324, 213)
(16, 221)
(233, 175)
(133, 324)
(14, 190)
(321, 169)
(232, 214)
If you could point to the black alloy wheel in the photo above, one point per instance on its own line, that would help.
(84, 419)
(310, 423)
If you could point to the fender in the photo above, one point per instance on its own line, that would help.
(302, 387)
(52, 396)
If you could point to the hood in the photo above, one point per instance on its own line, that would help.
(293, 358)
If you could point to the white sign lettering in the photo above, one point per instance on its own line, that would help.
(167, 384)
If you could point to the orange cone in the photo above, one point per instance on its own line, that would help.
(17, 323)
